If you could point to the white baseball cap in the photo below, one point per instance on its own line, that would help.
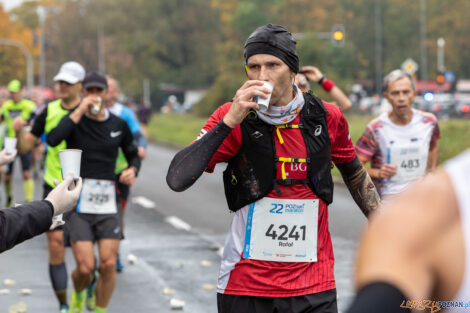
(70, 72)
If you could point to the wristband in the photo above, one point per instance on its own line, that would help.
(327, 85)
(321, 80)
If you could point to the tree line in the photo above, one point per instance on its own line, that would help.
(199, 43)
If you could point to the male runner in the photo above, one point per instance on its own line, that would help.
(278, 256)
(416, 252)
(99, 135)
(69, 82)
(18, 106)
(401, 145)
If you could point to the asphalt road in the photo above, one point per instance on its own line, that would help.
(176, 239)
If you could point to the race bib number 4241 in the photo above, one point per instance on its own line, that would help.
(282, 230)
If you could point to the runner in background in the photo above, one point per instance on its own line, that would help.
(99, 134)
(68, 83)
(311, 73)
(128, 115)
(18, 106)
(401, 145)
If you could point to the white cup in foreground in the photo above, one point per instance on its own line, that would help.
(70, 160)
(264, 103)
(10, 144)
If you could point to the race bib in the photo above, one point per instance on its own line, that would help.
(282, 230)
(410, 161)
(97, 197)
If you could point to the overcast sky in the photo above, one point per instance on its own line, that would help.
(8, 4)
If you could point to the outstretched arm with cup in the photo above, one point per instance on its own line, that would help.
(312, 73)
(189, 164)
(23, 222)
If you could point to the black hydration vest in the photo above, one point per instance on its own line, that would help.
(251, 174)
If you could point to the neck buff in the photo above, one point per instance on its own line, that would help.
(284, 115)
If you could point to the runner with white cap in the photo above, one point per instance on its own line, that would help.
(69, 79)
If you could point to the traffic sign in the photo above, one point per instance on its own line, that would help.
(409, 66)
(449, 76)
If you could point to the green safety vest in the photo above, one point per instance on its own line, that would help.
(25, 108)
(55, 112)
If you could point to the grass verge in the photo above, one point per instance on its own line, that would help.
(179, 130)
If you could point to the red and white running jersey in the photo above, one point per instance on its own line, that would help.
(239, 276)
(383, 139)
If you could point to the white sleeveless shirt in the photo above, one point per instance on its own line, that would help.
(458, 170)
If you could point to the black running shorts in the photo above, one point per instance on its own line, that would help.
(94, 227)
(322, 302)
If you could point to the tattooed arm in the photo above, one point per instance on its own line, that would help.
(360, 186)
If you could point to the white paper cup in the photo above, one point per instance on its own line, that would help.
(10, 144)
(95, 109)
(70, 160)
(264, 103)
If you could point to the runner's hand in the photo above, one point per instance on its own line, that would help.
(244, 101)
(312, 73)
(87, 103)
(141, 152)
(18, 124)
(7, 158)
(387, 171)
(128, 176)
(65, 195)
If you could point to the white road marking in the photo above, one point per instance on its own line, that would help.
(144, 202)
(177, 223)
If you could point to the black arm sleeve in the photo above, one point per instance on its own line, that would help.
(23, 222)
(379, 297)
(360, 186)
(129, 148)
(39, 123)
(189, 164)
(61, 132)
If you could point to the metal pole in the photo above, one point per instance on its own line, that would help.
(42, 52)
(101, 59)
(29, 60)
(424, 52)
(378, 47)
(440, 55)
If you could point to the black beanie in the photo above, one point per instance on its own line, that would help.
(275, 40)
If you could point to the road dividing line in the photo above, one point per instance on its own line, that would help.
(177, 223)
(144, 202)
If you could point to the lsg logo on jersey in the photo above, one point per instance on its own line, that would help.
(298, 167)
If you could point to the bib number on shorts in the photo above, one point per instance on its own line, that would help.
(410, 161)
(97, 197)
(282, 230)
